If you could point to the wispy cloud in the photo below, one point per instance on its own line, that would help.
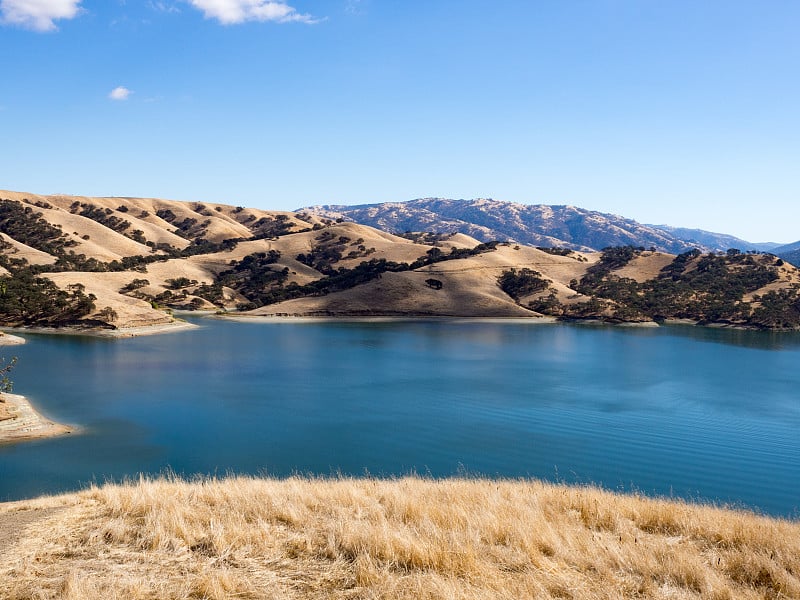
(120, 93)
(39, 15)
(232, 12)
(354, 7)
(164, 7)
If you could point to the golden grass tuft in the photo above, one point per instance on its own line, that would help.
(408, 538)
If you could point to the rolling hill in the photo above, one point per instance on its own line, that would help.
(121, 263)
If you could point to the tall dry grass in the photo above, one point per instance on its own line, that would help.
(406, 538)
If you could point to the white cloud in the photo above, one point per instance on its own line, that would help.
(38, 14)
(231, 12)
(120, 93)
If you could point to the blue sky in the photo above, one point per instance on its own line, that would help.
(677, 112)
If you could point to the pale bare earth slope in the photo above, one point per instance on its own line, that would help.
(114, 230)
(468, 288)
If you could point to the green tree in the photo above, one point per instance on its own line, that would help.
(108, 314)
(6, 385)
(524, 282)
(434, 283)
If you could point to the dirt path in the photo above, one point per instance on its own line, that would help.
(14, 524)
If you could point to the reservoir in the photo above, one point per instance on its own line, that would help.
(676, 411)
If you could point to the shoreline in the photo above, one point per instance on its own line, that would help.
(20, 421)
(7, 339)
(381, 319)
(119, 333)
(541, 320)
(129, 332)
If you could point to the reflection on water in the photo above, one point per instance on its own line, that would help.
(658, 410)
(759, 340)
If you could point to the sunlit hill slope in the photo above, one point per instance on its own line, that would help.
(124, 262)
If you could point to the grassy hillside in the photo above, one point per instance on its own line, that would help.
(119, 263)
(407, 538)
(120, 257)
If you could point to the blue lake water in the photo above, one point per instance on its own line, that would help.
(682, 411)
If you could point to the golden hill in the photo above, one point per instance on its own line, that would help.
(407, 538)
(120, 262)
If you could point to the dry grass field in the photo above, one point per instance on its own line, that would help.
(406, 538)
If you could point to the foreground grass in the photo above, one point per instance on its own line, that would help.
(407, 538)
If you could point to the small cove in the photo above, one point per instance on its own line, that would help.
(683, 411)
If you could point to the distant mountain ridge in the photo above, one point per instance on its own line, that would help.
(538, 225)
(789, 252)
(793, 247)
(488, 220)
(716, 241)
